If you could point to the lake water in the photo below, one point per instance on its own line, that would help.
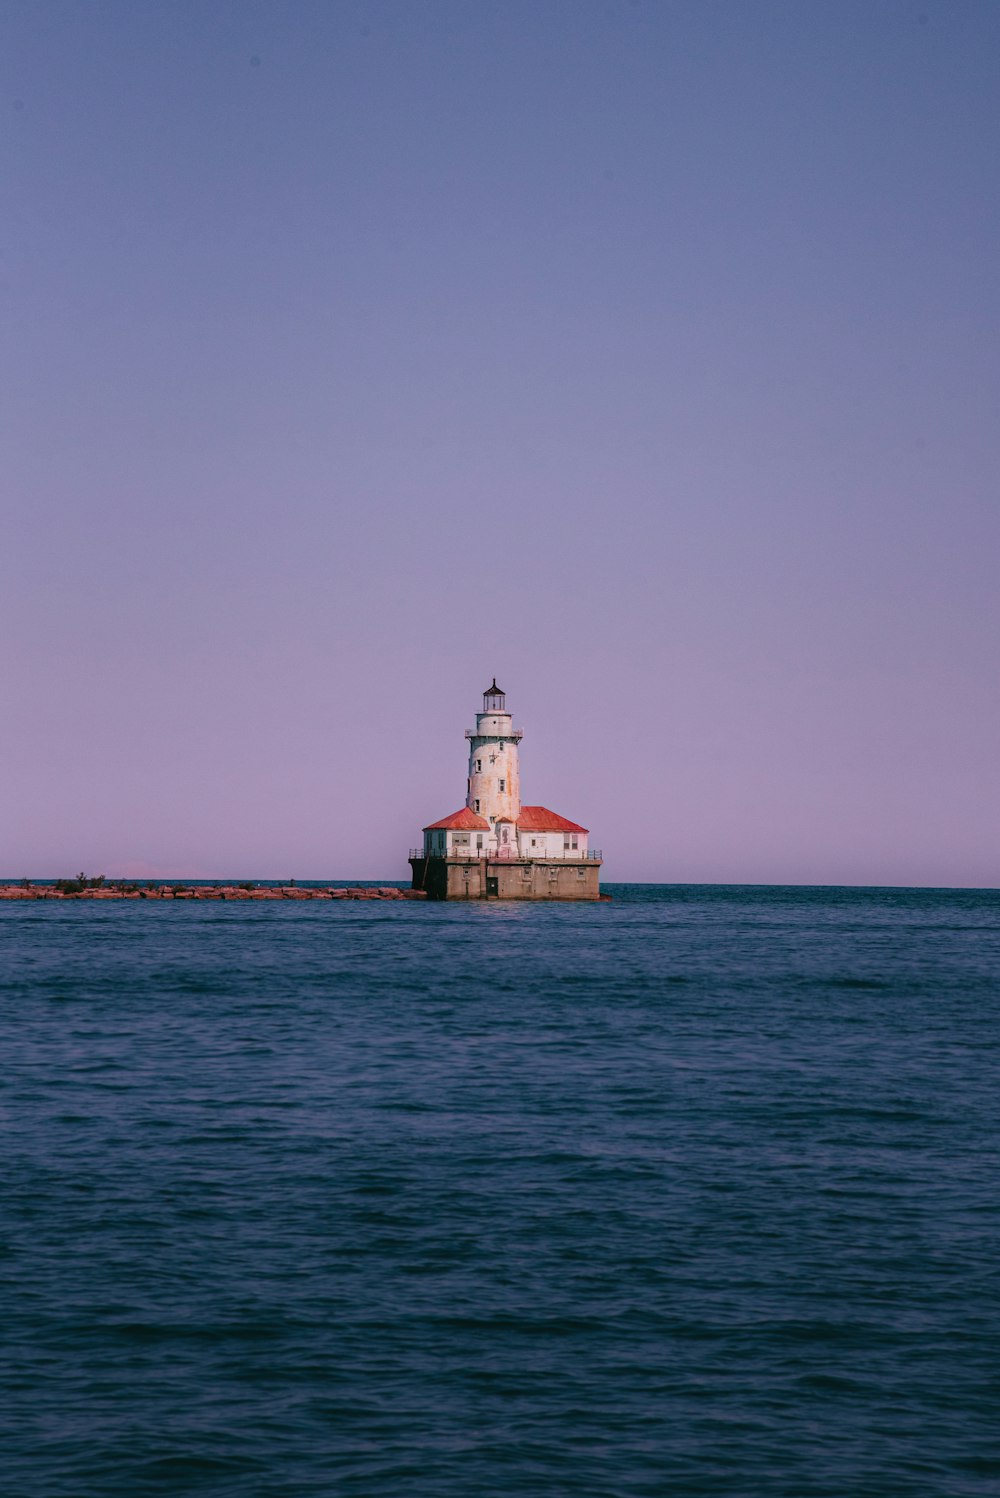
(695, 1192)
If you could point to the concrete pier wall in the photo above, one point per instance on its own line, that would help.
(503, 879)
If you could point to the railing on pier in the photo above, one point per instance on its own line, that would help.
(573, 855)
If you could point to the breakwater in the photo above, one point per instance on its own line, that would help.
(209, 892)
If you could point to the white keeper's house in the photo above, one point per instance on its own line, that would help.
(495, 848)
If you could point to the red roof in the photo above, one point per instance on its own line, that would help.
(461, 821)
(540, 819)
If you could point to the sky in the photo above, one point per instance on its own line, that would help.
(644, 355)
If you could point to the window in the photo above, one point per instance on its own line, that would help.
(576, 842)
(479, 840)
(503, 786)
(479, 765)
(477, 805)
(581, 873)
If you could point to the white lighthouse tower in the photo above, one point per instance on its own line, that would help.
(494, 785)
(493, 847)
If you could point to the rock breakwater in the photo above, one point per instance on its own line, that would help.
(28, 891)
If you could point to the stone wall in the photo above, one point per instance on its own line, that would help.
(498, 879)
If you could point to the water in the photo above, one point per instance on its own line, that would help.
(696, 1192)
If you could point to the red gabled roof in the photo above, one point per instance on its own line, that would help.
(461, 821)
(540, 819)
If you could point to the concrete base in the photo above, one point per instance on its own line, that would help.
(444, 878)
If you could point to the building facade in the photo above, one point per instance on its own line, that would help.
(495, 848)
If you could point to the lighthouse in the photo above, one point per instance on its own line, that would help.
(493, 847)
(494, 789)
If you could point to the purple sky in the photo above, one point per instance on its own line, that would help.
(644, 354)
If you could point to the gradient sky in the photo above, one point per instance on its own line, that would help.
(645, 355)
